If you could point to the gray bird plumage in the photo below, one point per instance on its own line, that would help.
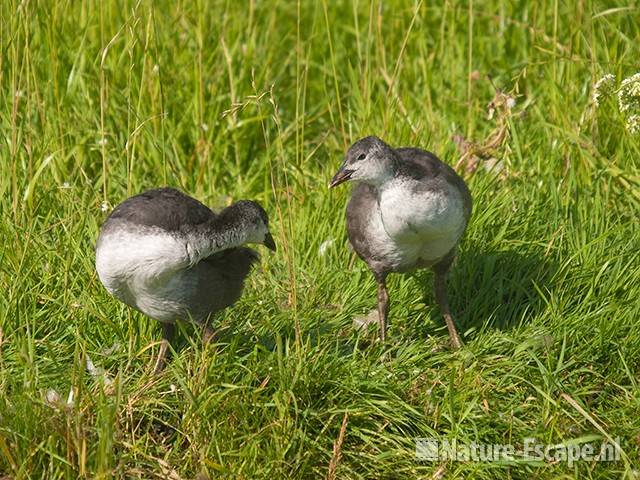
(172, 258)
(409, 210)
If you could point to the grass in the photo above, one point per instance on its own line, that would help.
(231, 100)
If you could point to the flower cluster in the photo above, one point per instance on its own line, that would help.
(633, 124)
(628, 98)
(603, 88)
(629, 94)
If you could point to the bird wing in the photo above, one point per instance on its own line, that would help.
(421, 164)
(166, 208)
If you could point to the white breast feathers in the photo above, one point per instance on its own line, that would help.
(425, 223)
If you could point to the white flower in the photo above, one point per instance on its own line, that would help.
(632, 79)
(65, 185)
(629, 93)
(204, 127)
(628, 98)
(511, 102)
(102, 141)
(603, 88)
(633, 124)
(104, 206)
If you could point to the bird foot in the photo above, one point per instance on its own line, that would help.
(456, 343)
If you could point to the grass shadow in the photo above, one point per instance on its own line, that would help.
(487, 289)
(497, 289)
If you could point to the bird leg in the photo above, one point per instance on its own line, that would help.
(440, 287)
(383, 305)
(168, 330)
(208, 334)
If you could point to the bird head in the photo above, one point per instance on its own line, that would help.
(256, 223)
(369, 160)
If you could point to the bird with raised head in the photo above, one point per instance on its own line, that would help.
(172, 258)
(407, 211)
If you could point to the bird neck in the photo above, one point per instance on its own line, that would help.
(228, 230)
(386, 171)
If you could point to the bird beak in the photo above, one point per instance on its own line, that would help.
(269, 243)
(341, 176)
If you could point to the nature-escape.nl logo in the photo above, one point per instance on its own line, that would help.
(431, 449)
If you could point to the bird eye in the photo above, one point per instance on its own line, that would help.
(362, 156)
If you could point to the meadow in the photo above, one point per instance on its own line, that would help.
(252, 99)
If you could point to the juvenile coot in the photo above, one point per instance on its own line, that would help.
(409, 210)
(170, 257)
